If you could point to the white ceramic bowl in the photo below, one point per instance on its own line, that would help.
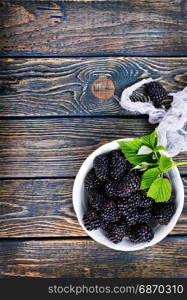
(79, 204)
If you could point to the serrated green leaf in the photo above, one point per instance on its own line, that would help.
(150, 140)
(134, 145)
(165, 163)
(148, 177)
(130, 150)
(160, 190)
(158, 148)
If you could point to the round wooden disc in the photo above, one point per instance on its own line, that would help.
(103, 88)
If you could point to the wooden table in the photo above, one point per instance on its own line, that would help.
(63, 67)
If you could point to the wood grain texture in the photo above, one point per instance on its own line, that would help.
(43, 208)
(63, 86)
(37, 208)
(93, 28)
(87, 258)
(57, 147)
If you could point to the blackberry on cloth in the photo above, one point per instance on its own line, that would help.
(156, 93)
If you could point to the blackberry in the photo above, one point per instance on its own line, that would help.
(129, 184)
(111, 188)
(96, 200)
(135, 199)
(117, 232)
(145, 216)
(109, 212)
(132, 217)
(101, 166)
(91, 181)
(125, 207)
(106, 226)
(119, 166)
(129, 203)
(122, 204)
(164, 213)
(145, 200)
(141, 233)
(91, 220)
(156, 93)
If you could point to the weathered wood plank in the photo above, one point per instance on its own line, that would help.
(57, 147)
(87, 258)
(93, 28)
(37, 208)
(43, 208)
(69, 86)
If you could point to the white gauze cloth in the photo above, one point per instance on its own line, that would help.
(172, 127)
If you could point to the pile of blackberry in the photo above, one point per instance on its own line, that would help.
(117, 205)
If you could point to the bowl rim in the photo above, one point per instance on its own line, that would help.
(79, 180)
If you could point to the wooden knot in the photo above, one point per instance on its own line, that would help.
(103, 88)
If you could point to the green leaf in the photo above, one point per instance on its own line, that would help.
(144, 150)
(148, 177)
(160, 190)
(158, 148)
(134, 145)
(130, 150)
(150, 140)
(165, 163)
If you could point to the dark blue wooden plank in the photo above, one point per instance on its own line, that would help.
(88, 259)
(143, 28)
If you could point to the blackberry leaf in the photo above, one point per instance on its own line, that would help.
(150, 140)
(148, 177)
(165, 163)
(160, 190)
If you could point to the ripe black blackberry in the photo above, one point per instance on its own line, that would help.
(129, 184)
(91, 181)
(145, 200)
(129, 204)
(117, 232)
(122, 204)
(164, 213)
(132, 217)
(141, 233)
(145, 216)
(96, 200)
(106, 226)
(91, 220)
(109, 212)
(111, 188)
(155, 91)
(119, 166)
(101, 166)
(125, 207)
(134, 199)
